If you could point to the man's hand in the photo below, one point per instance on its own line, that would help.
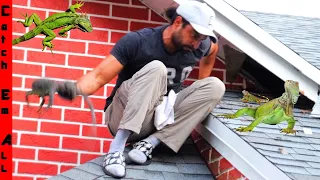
(207, 62)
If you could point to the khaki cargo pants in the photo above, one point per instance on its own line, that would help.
(134, 103)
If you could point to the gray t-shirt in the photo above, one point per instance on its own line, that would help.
(136, 49)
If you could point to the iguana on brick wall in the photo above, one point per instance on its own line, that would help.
(68, 19)
(273, 112)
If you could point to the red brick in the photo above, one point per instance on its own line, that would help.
(195, 135)
(84, 61)
(46, 57)
(63, 73)
(109, 23)
(25, 69)
(137, 3)
(99, 49)
(23, 153)
(214, 167)
(109, 90)
(130, 12)
(59, 101)
(65, 168)
(81, 144)
(60, 128)
(238, 79)
(202, 145)
(15, 109)
(81, 116)
(218, 74)
(102, 132)
(51, 113)
(17, 12)
(68, 46)
(14, 138)
(95, 35)
(224, 165)
(17, 27)
(16, 81)
(219, 64)
(95, 8)
(194, 74)
(100, 92)
(17, 54)
(106, 146)
(37, 168)
(20, 2)
(62, 5)
(39, 140)
(234, 87)
(215, 154)
(206, 154)
(156, 17)
(28, 82)
(223, 176)
(87, 157)
(140, 25)
(21, 97)
(21, 178)
(234, 174)
(115, 36)
(98, 103)
(13, 167)
(24, 125)
(58, 156)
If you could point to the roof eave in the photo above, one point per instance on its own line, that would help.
(238, 152)
(264, 48)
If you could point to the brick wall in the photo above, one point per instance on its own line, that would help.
(56, 140)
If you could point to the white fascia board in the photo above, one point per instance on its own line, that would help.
(264, 48)
(238, 152)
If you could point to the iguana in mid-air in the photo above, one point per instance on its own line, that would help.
(68, 19)
(273, 112)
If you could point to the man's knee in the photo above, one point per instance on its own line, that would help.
(157, 68)
(216, 87)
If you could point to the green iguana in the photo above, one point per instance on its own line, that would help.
(248, 97)
(68, 19)
(272, 112)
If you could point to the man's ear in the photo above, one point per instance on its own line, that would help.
(177, 22)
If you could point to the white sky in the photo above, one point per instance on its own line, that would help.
(308, 8)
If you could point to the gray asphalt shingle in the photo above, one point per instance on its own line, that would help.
(165, 165)
(301, 34)
(302, 160)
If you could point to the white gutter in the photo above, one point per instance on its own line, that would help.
(264, 48)
(238, 152)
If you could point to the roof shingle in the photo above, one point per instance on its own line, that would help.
(301, 34)
(166, 165)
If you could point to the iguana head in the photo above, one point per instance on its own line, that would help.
(292, 89)
(83, 23)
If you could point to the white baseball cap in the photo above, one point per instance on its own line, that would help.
(200, 16)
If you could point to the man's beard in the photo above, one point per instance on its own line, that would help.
(178, 45)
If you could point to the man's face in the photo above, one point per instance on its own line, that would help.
(186, 38)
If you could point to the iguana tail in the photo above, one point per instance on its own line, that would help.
(27, 36)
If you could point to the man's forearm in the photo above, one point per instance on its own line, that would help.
(206, 66)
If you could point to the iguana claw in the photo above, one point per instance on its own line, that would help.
(42, 88)
(288, 131)
(243, 129)
(228, 116)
